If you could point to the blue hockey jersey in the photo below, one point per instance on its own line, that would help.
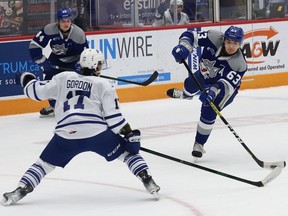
(65, 51)
(222, 68)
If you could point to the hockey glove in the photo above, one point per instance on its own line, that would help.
(23, 78)
(180, 53)
(183, 49)
(132, 144)
(209, 96)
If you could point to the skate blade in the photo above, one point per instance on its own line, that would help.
(156, 195)
(195, 159)
(5, 202)
(47, 116)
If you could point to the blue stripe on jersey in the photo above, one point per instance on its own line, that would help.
(26, 90)
(80, 114)
(27, 93)
(34, 90)
(113, 116)
(80, 122)
(116, 125)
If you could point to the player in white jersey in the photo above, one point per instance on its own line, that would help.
(168, 16)
(88, 119)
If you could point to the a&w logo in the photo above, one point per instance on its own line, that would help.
(261, 45)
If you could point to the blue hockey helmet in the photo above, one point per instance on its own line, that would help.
(234, 33)
(64, 13)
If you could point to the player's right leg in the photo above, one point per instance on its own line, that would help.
(28, 182)
(198, 150)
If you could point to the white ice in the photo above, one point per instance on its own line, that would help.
(90, 186)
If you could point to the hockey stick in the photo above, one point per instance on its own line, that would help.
(270, 177)
(261, 163)
(145, 83)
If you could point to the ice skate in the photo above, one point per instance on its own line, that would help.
(178, 93)
(47, 112)
(198, 151)
(149, 184)
(16, 195)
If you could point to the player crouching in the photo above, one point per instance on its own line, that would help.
(88, 120)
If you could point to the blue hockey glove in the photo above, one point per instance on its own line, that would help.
(180, 53)
(23, 78)
(132, 144)
(210, 95)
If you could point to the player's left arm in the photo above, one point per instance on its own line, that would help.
(224, 88)
(110, 106)
(117, 123)
(231, 76)
(79, 39)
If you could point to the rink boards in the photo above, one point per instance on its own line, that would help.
(134, 54)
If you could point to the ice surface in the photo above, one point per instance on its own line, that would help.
(91, 186)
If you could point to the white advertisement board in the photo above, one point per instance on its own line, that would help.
(135, 55)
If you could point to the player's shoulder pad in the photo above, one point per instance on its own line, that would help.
(77, 35)
(216, 37)
(51, 29)
(237, 62)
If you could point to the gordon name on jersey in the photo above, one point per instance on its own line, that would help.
(79, 84)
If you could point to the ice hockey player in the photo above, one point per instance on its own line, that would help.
(222, 66)
(88, 118)
(66, 41)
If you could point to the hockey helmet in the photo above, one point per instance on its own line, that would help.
(234, 33)
(92, 59)
(178, 2)
(64, 13)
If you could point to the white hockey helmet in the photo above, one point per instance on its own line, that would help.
(91, 59)
(178, 2)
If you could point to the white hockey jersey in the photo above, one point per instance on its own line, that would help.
(85, 105)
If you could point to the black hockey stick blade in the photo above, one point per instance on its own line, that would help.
(261, 163)
(145, 83)
(274, 173)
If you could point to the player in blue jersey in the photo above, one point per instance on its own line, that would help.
(66, 41)
(88, 119)
(222, 66)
